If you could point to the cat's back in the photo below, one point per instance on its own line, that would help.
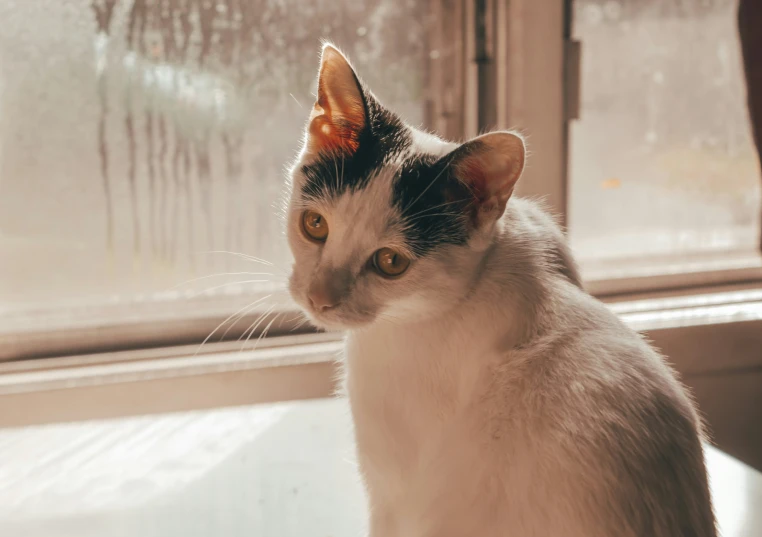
(607, 410)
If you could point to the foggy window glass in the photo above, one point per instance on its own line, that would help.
(662, 162)
(137, 136)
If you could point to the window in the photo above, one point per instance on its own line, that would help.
(141, 149)
(142, 157)
(663, 172)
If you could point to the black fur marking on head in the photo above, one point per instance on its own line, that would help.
(332, 174)
(434, 205)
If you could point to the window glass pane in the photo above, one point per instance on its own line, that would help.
(137, 136)
(662, 163)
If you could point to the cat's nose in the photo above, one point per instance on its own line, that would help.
(328, 288)
(322, 299)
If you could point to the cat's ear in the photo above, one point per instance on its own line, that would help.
(338, 117)
(489, 166)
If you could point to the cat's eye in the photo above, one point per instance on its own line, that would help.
(390, 263)
(314, 226)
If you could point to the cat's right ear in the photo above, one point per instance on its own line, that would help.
(489, 166)
(338, 117)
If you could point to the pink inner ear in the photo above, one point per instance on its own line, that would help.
(492, 166)
(328, 134)
(338, 116)
(472, 173)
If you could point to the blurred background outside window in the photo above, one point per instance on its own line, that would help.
(141, 138)
(144, 143)
(663, 167)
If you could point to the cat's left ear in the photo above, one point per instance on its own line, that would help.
(338, 117)
(489, 166)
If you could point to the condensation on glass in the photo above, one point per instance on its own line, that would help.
(138, 135)
(662, 163)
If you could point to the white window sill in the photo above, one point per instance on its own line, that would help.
(284, 469)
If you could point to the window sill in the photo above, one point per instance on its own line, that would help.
(701, 334)
(622, 277)
(169, 320)
(161, 471)
(160, 322)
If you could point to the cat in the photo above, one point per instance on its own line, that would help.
(491, 396)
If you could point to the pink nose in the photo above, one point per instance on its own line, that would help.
(322, 299)
(329, 288)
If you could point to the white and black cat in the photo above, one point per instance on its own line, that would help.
(491, 395)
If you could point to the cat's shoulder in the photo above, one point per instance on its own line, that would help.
(584, 339)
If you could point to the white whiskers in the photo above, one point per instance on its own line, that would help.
(227, 284)
(252, 328)
(240, 313)
(243, 256)
(186, 282)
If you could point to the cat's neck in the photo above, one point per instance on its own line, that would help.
(514, 285)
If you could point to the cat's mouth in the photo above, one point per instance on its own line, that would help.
(338, 318)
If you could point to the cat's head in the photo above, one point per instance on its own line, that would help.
(387, 222)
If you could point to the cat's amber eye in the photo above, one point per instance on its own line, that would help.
(390, 263)
(314, 226)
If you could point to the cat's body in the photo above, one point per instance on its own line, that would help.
(491, 395)
(467, 425)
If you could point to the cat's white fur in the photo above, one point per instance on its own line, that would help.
(452, 415)
(491, 396)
